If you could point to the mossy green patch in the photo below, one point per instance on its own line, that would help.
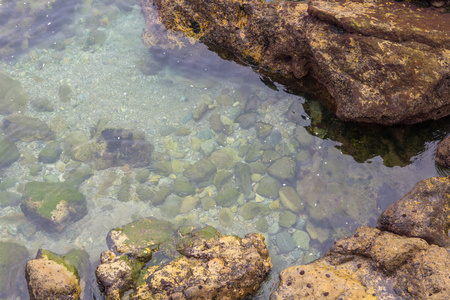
(50, 194)
(59, 260)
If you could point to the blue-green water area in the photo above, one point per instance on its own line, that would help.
(277, 162)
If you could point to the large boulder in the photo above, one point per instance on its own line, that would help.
(369, 61)
(157, 262)
(53, 205)
(371, 264)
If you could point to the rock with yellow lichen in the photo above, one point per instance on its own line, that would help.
(51, 276)
(378, 62)
(409, 261)
(154, 261)
(424, 212)
(371, 264)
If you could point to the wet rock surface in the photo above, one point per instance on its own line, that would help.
(443, 153)
(53, 276)
(423, 212)
(410, 260)
(344, 45)
(371, 264)
(154, 260)
(53, 205)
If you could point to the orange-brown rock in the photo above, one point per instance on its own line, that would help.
(372, 61)
(371, 264)
(424, 212)
(443, 153)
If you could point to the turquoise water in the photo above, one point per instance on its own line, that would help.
(346, 174)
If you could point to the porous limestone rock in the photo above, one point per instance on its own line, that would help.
(371, 264)
(157, 262)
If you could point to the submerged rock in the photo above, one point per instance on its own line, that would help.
(53, 276)
(201, 171)
(111, 148)
(371, 264)
(13, 98)
(363, 60)
(53, 205)
(8, 151)
(26, 128)
(197, 263)
(12, 263)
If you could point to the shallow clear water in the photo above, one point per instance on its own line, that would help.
(346, 174)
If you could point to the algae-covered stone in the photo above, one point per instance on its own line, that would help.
(283, 168)
(224, 158)
(12, 263)
(53, 205)
(183, 187)
(268, 187)
(208, 203)
(201, 170)
(287, 219)
(290, 199)
(163, 168)
(257, 167)
(188, 203)
(26, 128)
(142, 175)
(301, 239)
(8, 151)
(160, 195)
(243, 178)
(42, 105)
(226, 217)
(221, 178)
(227, 197)
(13, 98)
(285, 242)
(171, 206)
(216, 124)
(9, 198)
(269, 156)
(50, 153)
(262, 225)
(246, 120)
(78, 175)
(138, 239)
(199, 111)
(254, 153)
(65, 93)
(50, 276)
(251, 210)
(263, 130)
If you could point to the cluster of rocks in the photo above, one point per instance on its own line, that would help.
(340, 51)
(150, 259)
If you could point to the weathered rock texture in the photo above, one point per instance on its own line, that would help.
(410, 262)
(424, 212)
(371, 264)
(443, 153)
(377, 61)
(52, 277)
(194, 264)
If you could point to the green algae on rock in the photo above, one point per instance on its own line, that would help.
(196, 256)
(53, 276)
(53, 205)
(13, 99)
